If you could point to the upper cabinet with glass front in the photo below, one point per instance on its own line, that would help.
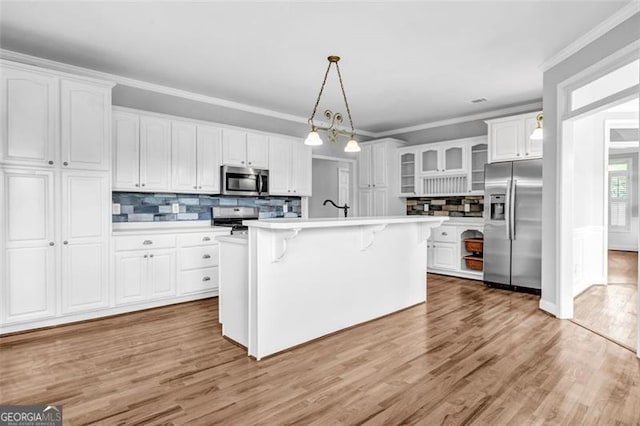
(510, 138)
(442, 158)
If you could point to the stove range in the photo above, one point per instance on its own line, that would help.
(233, 217)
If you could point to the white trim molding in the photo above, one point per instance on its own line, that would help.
(533, 106)
(605, 26)
(152, 87)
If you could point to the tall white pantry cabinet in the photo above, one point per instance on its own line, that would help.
(55, 158)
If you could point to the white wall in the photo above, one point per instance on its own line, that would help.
(325, 187)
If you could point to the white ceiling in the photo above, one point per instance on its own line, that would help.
(404, 63)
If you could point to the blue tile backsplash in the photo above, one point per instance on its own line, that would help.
(137, 207)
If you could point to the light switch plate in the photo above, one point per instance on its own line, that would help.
(285, 208)
(467, 208)
(115, 208)
(175, 208)
(425, 207)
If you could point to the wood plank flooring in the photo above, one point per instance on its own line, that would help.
(611, 310)
(470, 355)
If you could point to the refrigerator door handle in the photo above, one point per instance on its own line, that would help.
(507, 207)
(512, 209)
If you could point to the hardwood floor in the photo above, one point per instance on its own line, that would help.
(611, 310)
(471, 355)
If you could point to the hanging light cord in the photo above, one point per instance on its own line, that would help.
(320, 95)
(344, 96)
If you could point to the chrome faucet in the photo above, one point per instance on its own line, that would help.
(345, 207)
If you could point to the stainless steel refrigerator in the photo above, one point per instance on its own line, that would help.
(513, 224)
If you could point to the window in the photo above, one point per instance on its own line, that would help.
(619, 194)
(614, 82)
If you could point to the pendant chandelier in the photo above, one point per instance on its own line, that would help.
(334, 119)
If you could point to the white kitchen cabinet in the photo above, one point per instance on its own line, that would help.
(443, 159)
(407, 158)
(48, 118)
(208, 159)
(28, 102)
(245, 149)
(290, 170)
(478, 153)
(196, 158)
(444, 256)
(85, 111)
(379, 179)
(199, 255)
(161, 273)
(155, 153)
(85, 240)
(144, 275)
(509, 138)
(373, 165)
(372, 202)
(141, 152)
(184, 158)
(30, 252)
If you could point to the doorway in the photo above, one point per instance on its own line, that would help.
(605, 286)
(332, 179)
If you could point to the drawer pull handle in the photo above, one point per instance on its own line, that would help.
(206, 239)
(206, 256)
(206, 279)
(147, 242)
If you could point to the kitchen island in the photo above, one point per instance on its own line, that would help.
(311, 277)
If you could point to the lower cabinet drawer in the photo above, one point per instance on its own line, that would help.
(143, 242)
(199, 257)
(198, 280)
(445, 234)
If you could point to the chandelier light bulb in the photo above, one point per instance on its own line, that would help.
(313, 139)
(352, 146)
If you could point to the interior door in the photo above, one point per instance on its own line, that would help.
(526, 244)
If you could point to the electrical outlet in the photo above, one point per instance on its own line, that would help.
(175, 208)
(285, 208)
(425, 207)
(115, 208)
(467, 208)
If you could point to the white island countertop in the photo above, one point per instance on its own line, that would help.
(301, 223)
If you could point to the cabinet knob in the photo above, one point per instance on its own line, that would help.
(195, 187)
(65, 164)
(526, 153)
(518, 154)
(444, 233)
(199, 187)
(206, 256)
(137, 185)
(242, 162)
(51, 162)
(250, 163)
(206, 239)
(145, 256)
(150, 255)
(374, 185)
(51, 243)
(65, 242)
(147, 242)
(206, 278)
(143, 184)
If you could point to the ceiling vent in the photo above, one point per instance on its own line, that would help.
(479, 100)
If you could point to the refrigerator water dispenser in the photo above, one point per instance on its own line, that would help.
(497, 206)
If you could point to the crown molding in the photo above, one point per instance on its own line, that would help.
(533, 106)
(152, 87)
(598, 31)
(171, 91)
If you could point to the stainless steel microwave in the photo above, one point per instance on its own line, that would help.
(244, 181)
